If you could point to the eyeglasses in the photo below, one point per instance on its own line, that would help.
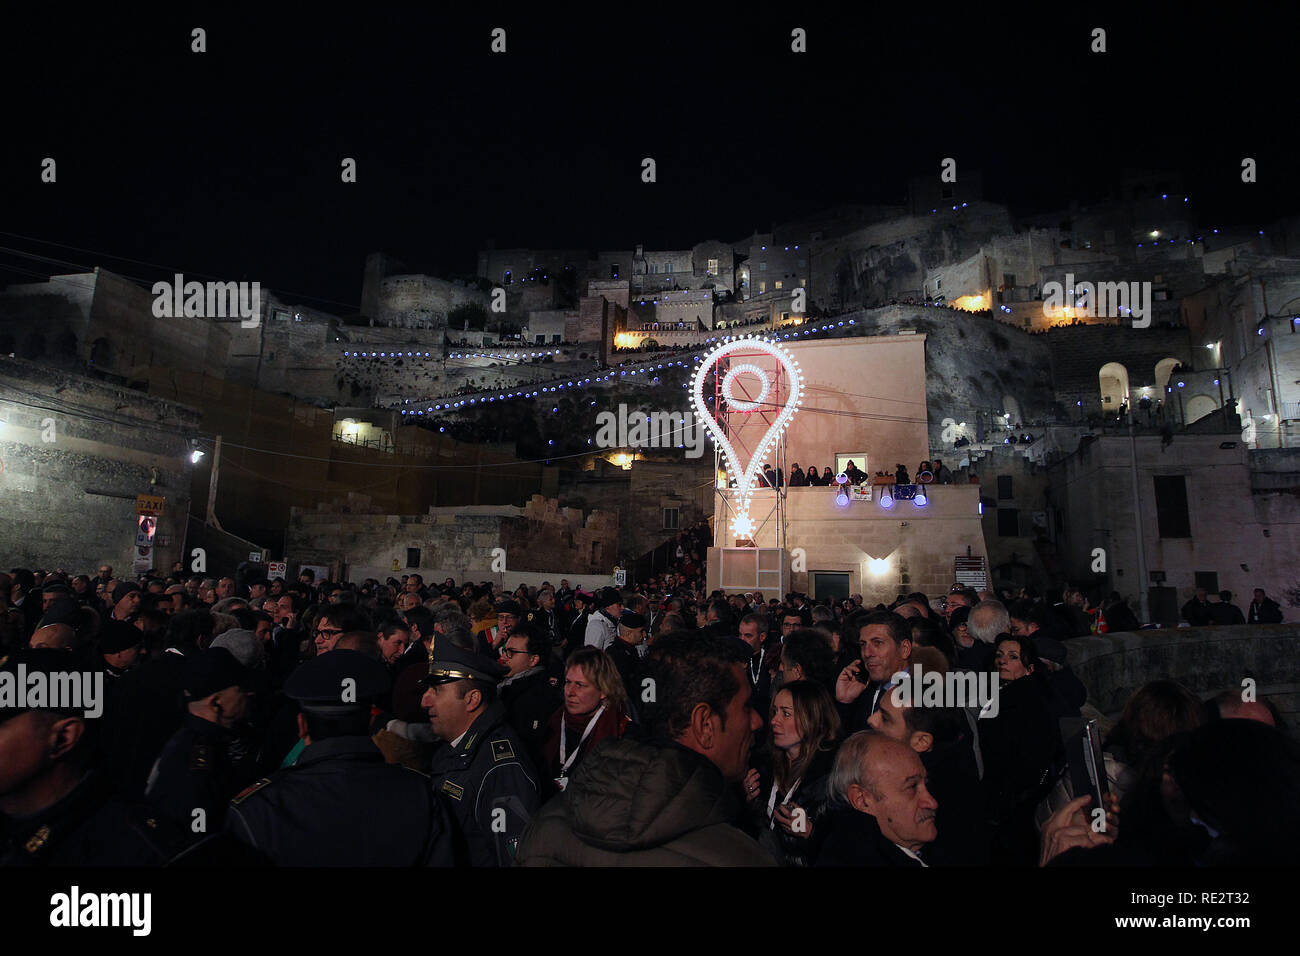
(511, 652)
(326, 632)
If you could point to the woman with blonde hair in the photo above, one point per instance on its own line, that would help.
(792, 800)
(595, 707)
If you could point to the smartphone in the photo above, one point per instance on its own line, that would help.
(1087, 765)
(862, 675)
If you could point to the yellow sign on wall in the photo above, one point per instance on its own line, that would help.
(149, 504)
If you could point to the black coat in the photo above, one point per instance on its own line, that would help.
(1223, 612)
(812, 795)
(530, 700)
(144, 708)
(854, 839)
(1023, 755)
(342, 805)
(1270, 612)
(952, 777)
(1197, 613)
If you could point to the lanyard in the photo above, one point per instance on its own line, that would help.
(753, 673)
(771, 801)
(564, 739)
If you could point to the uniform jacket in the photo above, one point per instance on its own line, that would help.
(342, 805)
(198, 770)
(637, 804)
(92, 827)
(491, 786)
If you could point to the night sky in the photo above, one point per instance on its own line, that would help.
(227, 164)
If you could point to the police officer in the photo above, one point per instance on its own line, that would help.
(201, 767)
(480, 765)
(54, 810)
(341, 804)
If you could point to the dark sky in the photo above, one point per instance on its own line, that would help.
(226, 164)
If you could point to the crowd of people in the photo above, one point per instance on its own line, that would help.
(927, 472)
(407, 722)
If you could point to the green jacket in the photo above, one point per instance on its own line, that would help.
(634, 804)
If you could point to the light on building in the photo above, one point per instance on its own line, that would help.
(887, 498)
(878, 566)
(195, 455)
(920, 500)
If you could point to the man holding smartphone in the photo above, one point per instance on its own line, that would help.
(886, 648)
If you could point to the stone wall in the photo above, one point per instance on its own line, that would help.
(1207, 660)
(70, 502)
(540, 536)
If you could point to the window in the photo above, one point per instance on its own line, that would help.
(762, 267)
(281, 314)
(1171, 506)
(412, 557)
(1009, 280)
(803, 263)
(613, 270)
(776, 284)
(540, 339)
(670, 519)
(1008, 522)
(1004, 487)
(762, 287)
(938, 283)
(556, 337)
(713, 267)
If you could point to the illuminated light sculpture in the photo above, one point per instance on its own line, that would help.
(747, 477)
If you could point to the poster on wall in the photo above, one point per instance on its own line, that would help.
(142, 556)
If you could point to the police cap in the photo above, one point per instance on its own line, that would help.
(452, 663)
(337, 683)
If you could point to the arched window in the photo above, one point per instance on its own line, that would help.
(1113, 380)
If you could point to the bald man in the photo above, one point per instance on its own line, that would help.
(60, 637)
(889, 815)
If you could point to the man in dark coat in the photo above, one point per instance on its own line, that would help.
(626, 654)
(1223, 611)
(889, 815)
(1263, 609)
(341, 804)
(530, 693)
(1196, 612)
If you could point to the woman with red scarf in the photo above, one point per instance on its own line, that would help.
(595, 707)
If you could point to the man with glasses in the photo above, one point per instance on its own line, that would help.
(530, 695)
(334, 623)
